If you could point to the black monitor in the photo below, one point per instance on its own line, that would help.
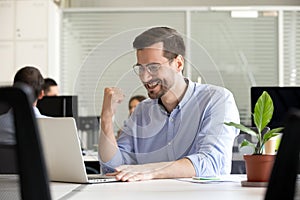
(283, 98)
(59, 106)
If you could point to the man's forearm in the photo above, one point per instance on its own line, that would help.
(182, 168)
(107, 142)
(107, 145)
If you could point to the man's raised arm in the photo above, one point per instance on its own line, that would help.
(107, 145)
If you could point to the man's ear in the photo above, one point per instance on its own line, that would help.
(41, 95)
(180, 62)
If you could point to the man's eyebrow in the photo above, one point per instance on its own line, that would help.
(148, 63)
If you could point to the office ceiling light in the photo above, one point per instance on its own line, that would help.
(244, 14)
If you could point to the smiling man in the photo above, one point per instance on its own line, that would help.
(179, 131)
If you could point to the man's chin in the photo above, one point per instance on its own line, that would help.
(153, 95)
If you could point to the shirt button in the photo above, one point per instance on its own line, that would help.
(171, 119)
(169, 143)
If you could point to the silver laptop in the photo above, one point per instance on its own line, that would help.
(62, 152)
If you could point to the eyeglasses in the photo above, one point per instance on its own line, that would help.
(152, 68)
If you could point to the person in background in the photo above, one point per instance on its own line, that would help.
(179, 131)
(32, 77)
(134, 101)
(132, 104)
(50, 87)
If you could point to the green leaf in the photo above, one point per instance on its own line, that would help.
(271, 133)
(242, 128)
(247, 143)
(263, 111)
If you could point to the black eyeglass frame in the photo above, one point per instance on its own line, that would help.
(152, 68)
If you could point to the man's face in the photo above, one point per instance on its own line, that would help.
(53, 91)
(132, 105)
(160, 82)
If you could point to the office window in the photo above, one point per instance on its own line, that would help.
(291, 50)
(243, 53)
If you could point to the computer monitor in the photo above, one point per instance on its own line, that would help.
(59, 106)
(283, 98)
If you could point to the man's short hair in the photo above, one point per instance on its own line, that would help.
(48, 83)
(173, 44)
(32, 77)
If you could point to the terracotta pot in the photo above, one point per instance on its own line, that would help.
(259, 167)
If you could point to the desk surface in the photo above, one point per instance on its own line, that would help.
(153, 190)
(162, 189)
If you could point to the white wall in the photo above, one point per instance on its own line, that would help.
(28, 36)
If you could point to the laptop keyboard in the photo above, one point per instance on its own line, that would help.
(98, 178)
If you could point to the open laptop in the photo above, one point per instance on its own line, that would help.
(63, 154)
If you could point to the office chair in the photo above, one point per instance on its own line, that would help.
(8, 159)
(284, 173)
(33, 177)
(4, 108)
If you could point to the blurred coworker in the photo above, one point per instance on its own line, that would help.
(133, 102)
(33, 78)
(50, 87)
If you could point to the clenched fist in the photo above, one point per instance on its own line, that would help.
(112, 97)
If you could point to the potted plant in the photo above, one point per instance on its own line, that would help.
(259, 165)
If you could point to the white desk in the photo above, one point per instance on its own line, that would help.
(155, 190)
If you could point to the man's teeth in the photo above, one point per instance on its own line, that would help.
(152, 84)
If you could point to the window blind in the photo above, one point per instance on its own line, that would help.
(243, 53)
(291, 50)
(237, 53)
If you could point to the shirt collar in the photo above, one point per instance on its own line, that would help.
(36, 112)
(186, 97)
(188, 94)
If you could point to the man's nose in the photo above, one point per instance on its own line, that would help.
(145, 76)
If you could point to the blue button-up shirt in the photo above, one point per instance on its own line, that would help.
(7, 126)
(195, 129)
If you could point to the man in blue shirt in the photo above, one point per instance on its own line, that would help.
(179, 131)
(33, 78)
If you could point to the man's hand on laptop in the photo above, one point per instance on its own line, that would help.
(132, 173)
